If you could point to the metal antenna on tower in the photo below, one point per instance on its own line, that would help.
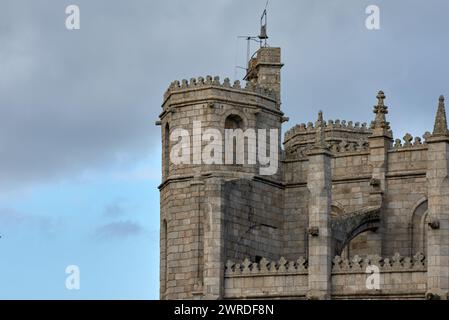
(261, 39)
(263, 36)
(248, 46)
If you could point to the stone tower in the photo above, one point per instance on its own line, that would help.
(438, 216)
(193, 193)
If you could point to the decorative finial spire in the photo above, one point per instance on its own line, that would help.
(380, 98)
(380, 110)
(320, 116)
(440, 127)
(320, 134)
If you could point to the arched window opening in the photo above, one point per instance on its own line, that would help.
(418, 229)
(234, 122)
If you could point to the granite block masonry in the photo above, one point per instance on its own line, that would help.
(345, 196)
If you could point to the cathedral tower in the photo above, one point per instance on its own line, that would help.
(195, 186)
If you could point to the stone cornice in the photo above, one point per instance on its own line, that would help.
(182, 91)
(214, 98)
(319, 151)
(438, 138)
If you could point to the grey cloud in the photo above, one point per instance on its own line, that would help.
(12, 220)
(79, 100)
(115, 208)
(118, 230)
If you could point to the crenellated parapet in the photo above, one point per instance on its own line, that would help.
(348, 146)
(397, 263)
(266, 267)
(410, 142)
(355, 264)
(202, 83)
(210, 95)
(331, 125)
(340, 137)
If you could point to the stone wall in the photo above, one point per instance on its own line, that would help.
(253, 219)
(181, 239)
(295, 221)
(404, 194)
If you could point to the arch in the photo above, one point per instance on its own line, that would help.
(234, 114)
(418, 230)
(365, 243)
(234, 121)
(364, 226)
(348, 226)
(417, 204)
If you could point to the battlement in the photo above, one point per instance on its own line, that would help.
(209, 81)
(355, 264)
(411, 142)
(396, 263)
(266, 267)
(331, 125)
(340, 137)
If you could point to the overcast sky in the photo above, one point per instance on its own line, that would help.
(79, 152)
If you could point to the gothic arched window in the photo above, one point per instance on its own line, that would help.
(418, 232)
(233, 121)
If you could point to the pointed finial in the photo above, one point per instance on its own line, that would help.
(380, 98)
(320, 116)
(440, 127)
(380, 110)
(319, 130)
